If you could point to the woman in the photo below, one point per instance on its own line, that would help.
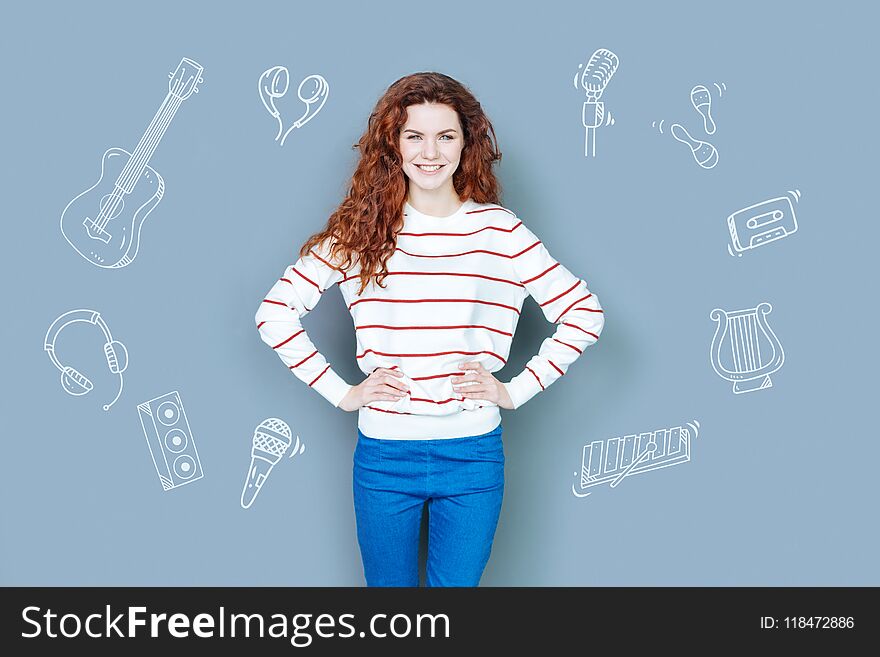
(434, 272)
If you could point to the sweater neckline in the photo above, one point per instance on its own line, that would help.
(412, 213)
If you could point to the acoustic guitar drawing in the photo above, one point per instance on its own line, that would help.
(103, 224)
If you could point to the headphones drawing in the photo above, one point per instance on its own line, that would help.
(74, 382)
(273, 84)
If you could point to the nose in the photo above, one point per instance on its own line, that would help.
(429, 150)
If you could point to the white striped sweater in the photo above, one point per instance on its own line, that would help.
(454, 294)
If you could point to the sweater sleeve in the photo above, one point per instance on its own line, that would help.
(278, 321)
(565, 301)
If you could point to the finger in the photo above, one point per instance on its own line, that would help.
(476, 395)
(385, 395)
(386, 370)
(386, 389)
(479, 388)
(394, 383)
(473, 365)
(465, 378)
(382, 398)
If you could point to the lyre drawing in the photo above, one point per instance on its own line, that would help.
(103, 224)
(610, 461)
(744, 348)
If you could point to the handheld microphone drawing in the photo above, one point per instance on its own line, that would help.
(271, 439)
(594, 78)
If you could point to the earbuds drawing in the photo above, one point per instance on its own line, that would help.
(701, 99)
(73, 381)
(273, 84)
(313, 91)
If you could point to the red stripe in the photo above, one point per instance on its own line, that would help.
(488, 303)
(536, 376)
(303, 360)
(431, 401)
(281, 303)
(592, 310)
(488, 209)
(312, 251)
(373, 408)
(580, 329)
(528, 248)
(435, 376)
(318, 287)
(284, 342)
(442, 273)
(559, 296)
(561, 373)
(439, 353)
(260, 324)
(569, 346)
(411, 328)
(534, 278)
(393, 367)
(319, 376)
(569, 308)
(456, 255)
(286, 280)
(502, 230)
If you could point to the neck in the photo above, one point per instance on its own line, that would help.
(436, 203)
(148, 143)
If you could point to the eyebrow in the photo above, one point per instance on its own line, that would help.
(439, 133)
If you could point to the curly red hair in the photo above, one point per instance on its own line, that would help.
(365, 225)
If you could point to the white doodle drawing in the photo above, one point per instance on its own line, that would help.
(701, 99)
(74, 382)
(762, 223)
(170, 439)
(610, 461)
(271, 440)
(313, 91)
(705, 154)
(593, 79)
(103, 224)
(748, 366)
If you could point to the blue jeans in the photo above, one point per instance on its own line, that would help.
(462, 480)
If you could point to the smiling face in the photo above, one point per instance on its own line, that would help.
(431, 142)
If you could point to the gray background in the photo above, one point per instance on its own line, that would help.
(781, 487)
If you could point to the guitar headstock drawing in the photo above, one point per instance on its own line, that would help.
(103, 224)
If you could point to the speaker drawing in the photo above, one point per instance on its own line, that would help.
(170, 440)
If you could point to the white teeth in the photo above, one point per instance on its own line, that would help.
(433, 167)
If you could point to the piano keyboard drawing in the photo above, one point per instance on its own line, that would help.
(610, 461)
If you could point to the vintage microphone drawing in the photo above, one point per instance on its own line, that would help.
(271, 439)
(594, 79)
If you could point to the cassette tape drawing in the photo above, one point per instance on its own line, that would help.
(762, 223)
(170, 440)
